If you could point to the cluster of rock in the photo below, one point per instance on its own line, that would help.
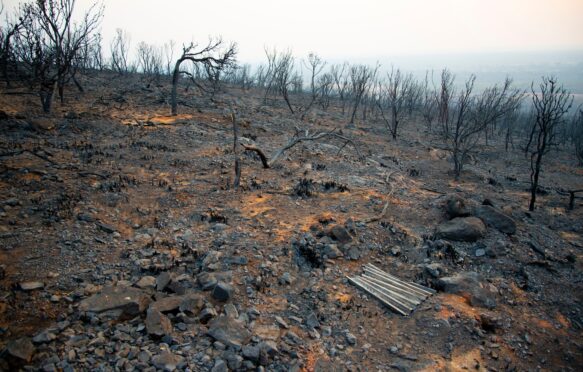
(469, 224)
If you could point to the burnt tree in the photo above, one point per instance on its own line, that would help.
(213, 56)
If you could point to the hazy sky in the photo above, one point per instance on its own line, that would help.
(348, 29)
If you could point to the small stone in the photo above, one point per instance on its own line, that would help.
(31, 286)
(480, 252)
(157, 324)
(251, 353)
(146, 282)
(220, 366)
(350, 338)
(231, 311)
(167, 361)
(282, 323)
(207, 314)
(162, 281)
(222, 291)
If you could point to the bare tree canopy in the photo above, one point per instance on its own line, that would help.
(214, 56)
(551, 103)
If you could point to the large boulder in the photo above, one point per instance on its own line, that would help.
(495, 218)
(229, 331)
(465, 229)
(131, 301)
(467, 285)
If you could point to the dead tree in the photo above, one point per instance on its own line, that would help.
(212, 54)
(7, 55)
(150, 60)
(444, 99)
(315, 65)
(392, 101)
(50, 41)
(428, 106)
(577, 134)
(551, 104)
(360, 76)
(471, 114)
(342, 82)
(120, 48)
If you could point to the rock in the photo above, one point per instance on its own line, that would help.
(167, 304)
(191, 304)
(340, 234)
(350, 338)
(163, 280)
(267, 332)
(167, 361)
(467, 285)
(44, 337)
(158, 324)
(231, 311)
(495, 218)
(480, 252)
(220, 366)
(106, 228)
(42, 124)
(312, 321)
(268, 347)
(435, 269)
(22, 349)
(229, 331)
(251, 353)
(146, 282)
(131, 300)
(31, 286)
(207, 281)
(282, 323)
(234, 361)
(467, 229)
(332, 251)
(223, 291)
(286, 278)
(455, 206)
(2, 271)
(207, 314)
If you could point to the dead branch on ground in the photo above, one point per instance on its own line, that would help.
(298, 138)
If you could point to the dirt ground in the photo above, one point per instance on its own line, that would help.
(109, 179)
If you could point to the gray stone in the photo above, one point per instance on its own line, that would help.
(495, 218)
(467, 284)
(220, 366)
(131, 300)
(163, 280)
(191, 304)
(207, 314)
(44, 337)
(31, 286)
(146, 282)
(207, 281)
(158, 324)
(340, 234)
(167, 304)
(251, 353)
(312, 321)
(435, 269)
(21, 349)
(455, 206)
(234, 361)
(350, 338)
(468, 229)
(223, 291)
(167, 361)
(480, 252)
(229, 331)
(331, 251)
